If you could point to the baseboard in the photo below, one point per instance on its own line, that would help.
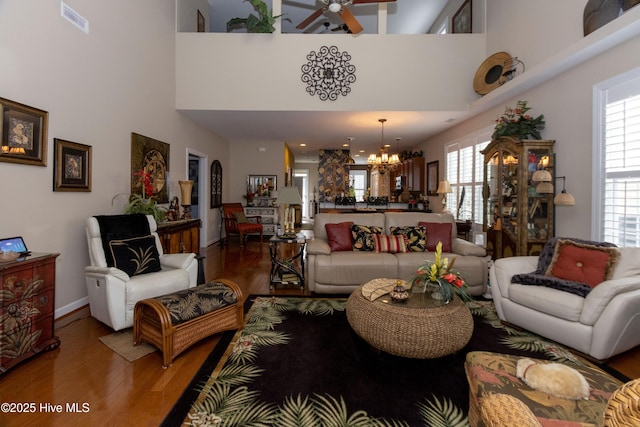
(63, 311)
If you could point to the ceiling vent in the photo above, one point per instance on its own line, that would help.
(73, 17)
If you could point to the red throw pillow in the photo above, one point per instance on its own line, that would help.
(581, 263)
(438, 232)
(339, 236)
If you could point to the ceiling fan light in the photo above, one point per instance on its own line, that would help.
(335, 7)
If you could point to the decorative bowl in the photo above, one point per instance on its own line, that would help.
(9, 256)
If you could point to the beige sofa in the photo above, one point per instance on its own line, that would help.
(342, 272)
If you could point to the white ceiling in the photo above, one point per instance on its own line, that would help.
(330, 130)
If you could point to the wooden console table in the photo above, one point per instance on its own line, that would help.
(27, 308)
(180, 236)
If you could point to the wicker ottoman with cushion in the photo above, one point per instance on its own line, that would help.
(176, 321)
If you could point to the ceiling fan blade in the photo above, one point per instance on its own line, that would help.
(350, 20)
(304, 24)
(372, 1)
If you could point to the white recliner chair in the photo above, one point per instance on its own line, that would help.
(601, 324)
(113, 292)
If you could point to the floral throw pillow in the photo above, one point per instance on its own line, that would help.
(362, 236)
(416, 237)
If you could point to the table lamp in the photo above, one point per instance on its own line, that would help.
(443, 188)
(185, 191)
(288, 196)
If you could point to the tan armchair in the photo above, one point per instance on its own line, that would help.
(237, 223)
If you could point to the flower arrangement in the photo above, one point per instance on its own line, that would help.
(439, 274)
(138, 203)
(516, 122)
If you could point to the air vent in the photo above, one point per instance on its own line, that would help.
(73, 17)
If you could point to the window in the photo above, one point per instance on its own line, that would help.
(616, 184)
(358, 180)
(465, 173)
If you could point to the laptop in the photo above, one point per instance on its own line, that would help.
(15, 244)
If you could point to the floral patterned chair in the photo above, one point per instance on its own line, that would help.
(497, 397)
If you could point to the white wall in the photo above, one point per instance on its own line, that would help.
(98, 88)
(217, 71)
(253, 158)
(565, 100)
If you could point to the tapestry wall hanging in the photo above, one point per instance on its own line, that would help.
(328, 73)
(150, 156)
(333, 174)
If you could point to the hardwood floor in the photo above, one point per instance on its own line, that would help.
(84, 371)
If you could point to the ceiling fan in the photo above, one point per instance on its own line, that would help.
(339, 7)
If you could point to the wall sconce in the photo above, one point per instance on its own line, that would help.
(185, 192)
(564, 198)
(443, 188)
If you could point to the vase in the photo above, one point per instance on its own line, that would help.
(439, 292)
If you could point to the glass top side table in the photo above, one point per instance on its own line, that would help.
(287, 267)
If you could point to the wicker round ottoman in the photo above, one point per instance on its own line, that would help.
(418, 329)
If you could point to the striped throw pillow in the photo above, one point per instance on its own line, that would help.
(391, 244)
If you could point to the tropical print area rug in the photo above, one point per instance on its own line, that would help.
(298, 363)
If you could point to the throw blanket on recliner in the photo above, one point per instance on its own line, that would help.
(118, 227)
(539, 277)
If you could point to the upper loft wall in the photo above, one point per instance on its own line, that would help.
(533, 30)
(216, 71)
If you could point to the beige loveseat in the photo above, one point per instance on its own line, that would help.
(343, 271)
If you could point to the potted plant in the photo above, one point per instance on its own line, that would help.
(263, 23)
(138, 203)
(516, 123)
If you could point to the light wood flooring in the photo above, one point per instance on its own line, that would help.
(118, 393)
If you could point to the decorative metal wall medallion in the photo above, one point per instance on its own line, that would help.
(328, 73)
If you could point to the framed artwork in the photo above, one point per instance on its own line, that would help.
(432, 178)
(262, 185)
(216, 184)
(201, 22)
(24, 133)
(462, 18)
(71, 166)
(150, 156)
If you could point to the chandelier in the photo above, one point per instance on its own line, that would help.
(382, 162)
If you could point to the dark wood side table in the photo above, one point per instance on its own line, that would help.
(285, 269)
(27, 308)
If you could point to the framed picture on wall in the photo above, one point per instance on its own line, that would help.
(71, 166)
(150, 156)
(23, 134)
(432, 178)
(462, 18)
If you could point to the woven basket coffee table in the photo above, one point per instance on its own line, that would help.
(420, 328)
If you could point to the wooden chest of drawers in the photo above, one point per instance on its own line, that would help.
(27, 308)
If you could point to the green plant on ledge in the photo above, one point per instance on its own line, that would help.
(263, 23)
(515, 122)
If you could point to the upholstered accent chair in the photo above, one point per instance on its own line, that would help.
(236, 223)
(573, 294)
(128, 265)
